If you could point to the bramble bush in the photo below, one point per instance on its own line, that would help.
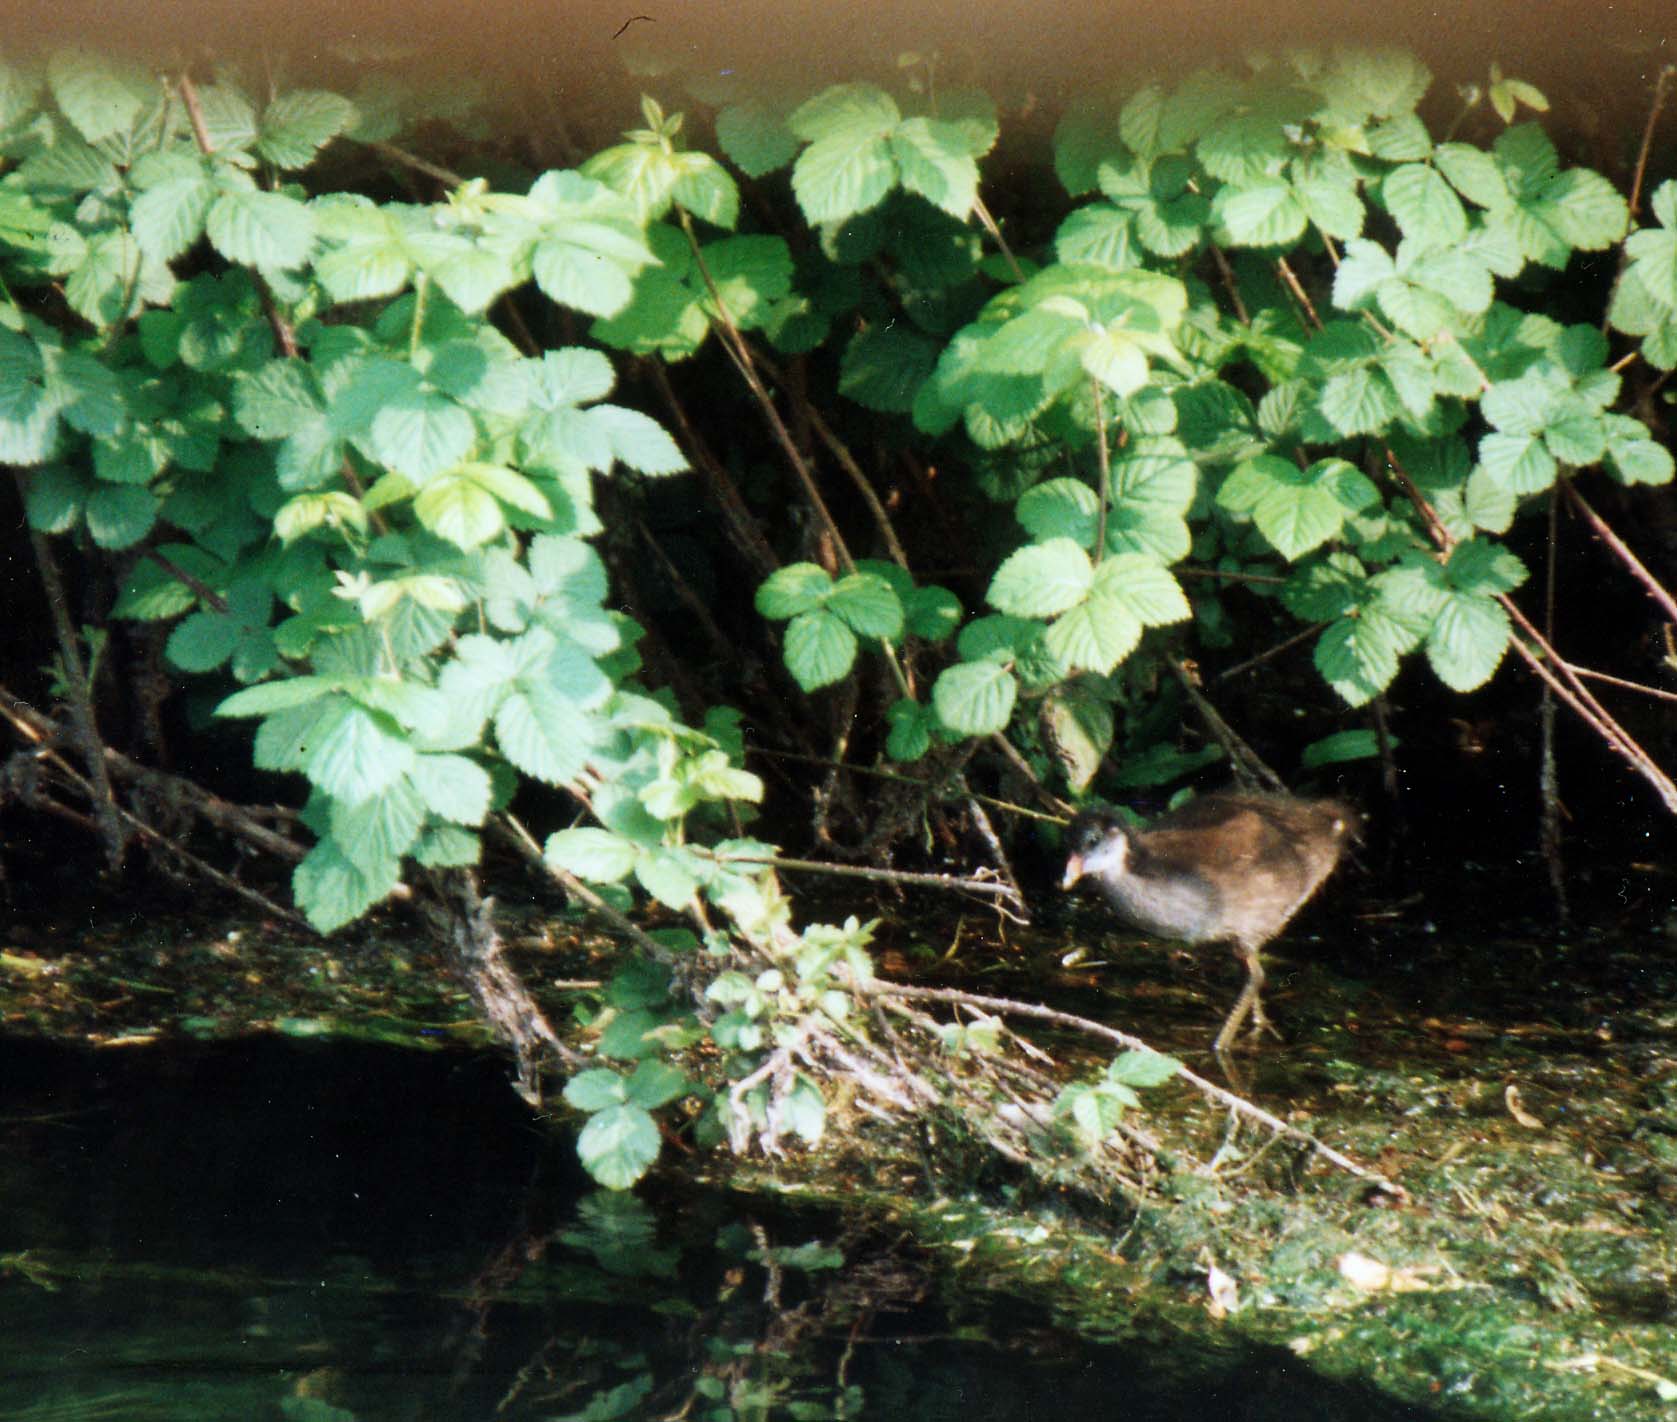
(1277, 332)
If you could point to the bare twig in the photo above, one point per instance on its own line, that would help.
(1010, 1007)
(1241, 756)
(975, 884)
(1621, 550)
(79, 689)
(521, 839)
(1271, 653)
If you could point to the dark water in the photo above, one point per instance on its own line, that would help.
(321, 1232)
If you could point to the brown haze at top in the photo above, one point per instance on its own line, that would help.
(1050, 48)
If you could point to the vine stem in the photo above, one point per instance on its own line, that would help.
(739, 352)
(1010, 1007)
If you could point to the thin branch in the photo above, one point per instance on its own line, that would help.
(1270, 654)
(1240, 754)
(1591, 675)
(512, 828)
(1621, 550)
(975, 884)
(446, 176)
(79, 685)
(1010, 1007)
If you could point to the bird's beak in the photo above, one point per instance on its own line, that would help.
(1074, 871)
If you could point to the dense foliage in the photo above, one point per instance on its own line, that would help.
(1277, 332)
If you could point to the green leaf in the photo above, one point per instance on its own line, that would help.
(96, 97)
(168, 216)
(332, 891)
(594, 854)
(638, 441)
(883, 367)
(868, 605)
(298, 124)
(655, 1083)
(1467, 641)
(119, 517)
(452, 787)
(840, 177)
(273, 696)
(798, 587)
(543, 732)
(1424, 205)
(911, 730)
(1260, 213)
(420, 433)
(259, 229)
(975, 698)
(1521, 464)
(1095, 636)
(819, 649)
(1062, 508)
(618, 1145)
(1140, 586)
(380, 830)
(755, 138)
(933, 160)
(931, 612)
(1143, 1069)
(1042, 579)
(1342, 746)
(670, 876)
(595, 1090)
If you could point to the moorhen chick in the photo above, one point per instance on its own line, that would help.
(1232, 867)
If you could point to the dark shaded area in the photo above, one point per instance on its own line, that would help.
(200, 1229)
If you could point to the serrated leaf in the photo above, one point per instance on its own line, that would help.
(298, 124)
(819, 649)
(595, 854)
(261, 229)
(796, 588)
(1139, 585)
(1095, 636)
(638, 441)
(332, 891)
(544, 733)
(1042, 579)
(868, 605)
(618, 1145)
(975, 698)
(378, 831)
(452, 787)
(419, 433)
(1467, 641)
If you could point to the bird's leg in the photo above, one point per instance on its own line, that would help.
(1249, 1003)
(1237, 1015)
(1254, 988)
